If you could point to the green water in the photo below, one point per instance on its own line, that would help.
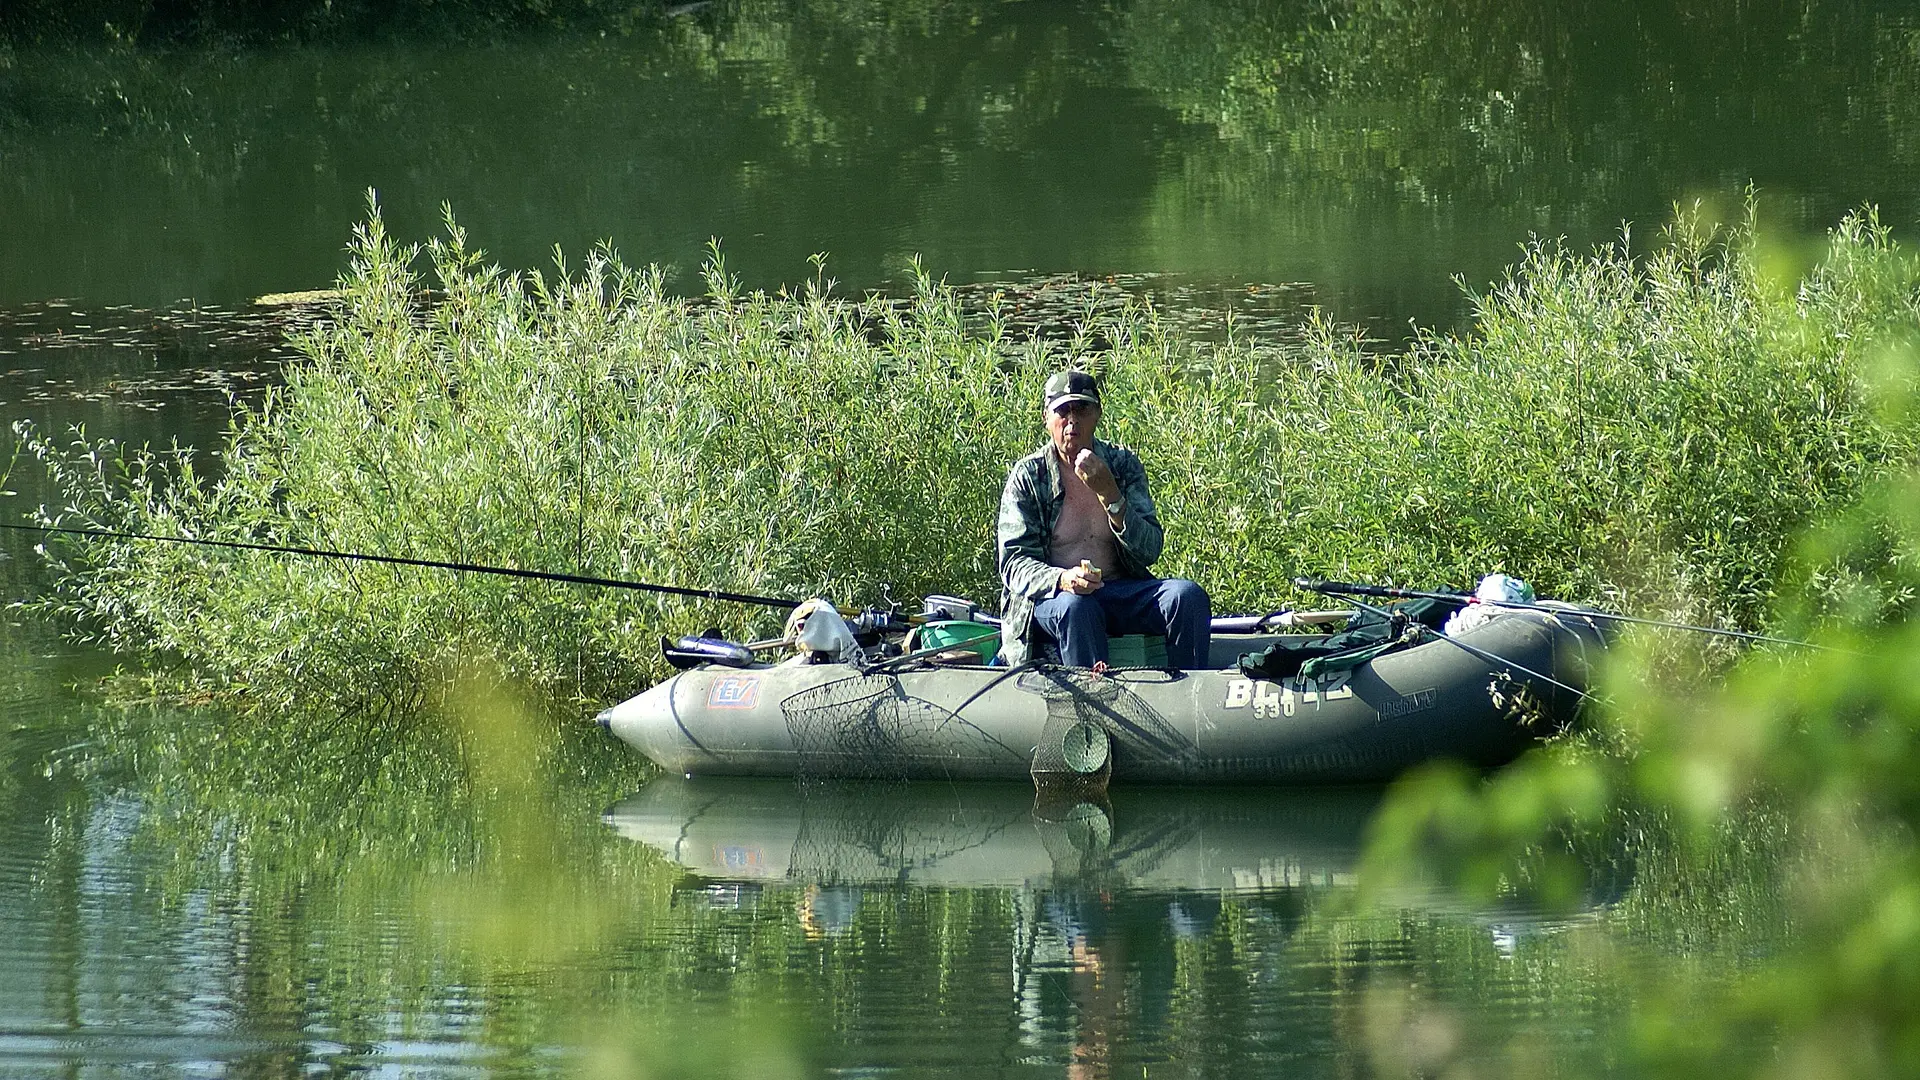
(1371, 151)
(184, 893)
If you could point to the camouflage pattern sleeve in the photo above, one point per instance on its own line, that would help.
(1142, 538)
(1023, 539)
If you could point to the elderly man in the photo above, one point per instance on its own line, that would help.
(1077, 532)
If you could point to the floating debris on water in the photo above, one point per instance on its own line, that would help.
(306, 296)
(142, 357)
(1061, 307)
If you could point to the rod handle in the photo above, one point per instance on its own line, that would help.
(1348, 588)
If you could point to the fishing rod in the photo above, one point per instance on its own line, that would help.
(432, 564)
(1348, 589)
(1471, 650)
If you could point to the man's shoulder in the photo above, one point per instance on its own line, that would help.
(1031, 465)
(1114, 453)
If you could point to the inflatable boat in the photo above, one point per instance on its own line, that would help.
(1480, 696)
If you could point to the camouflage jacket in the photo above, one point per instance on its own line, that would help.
(1029, 507)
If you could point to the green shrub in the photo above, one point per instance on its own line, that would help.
(1650, 430)
(1783, 795)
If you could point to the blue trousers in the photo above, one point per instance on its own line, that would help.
(1173, 607)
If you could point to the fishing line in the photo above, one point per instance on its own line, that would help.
(1472, 650)
(432, 564)
(1349, 589)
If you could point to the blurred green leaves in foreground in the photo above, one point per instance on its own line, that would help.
(1792, 784)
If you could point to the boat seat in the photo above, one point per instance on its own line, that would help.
(1123, 650)
(1137, 650)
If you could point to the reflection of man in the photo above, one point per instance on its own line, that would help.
(1077, 533)
(1100, 978)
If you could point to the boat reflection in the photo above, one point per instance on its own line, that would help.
(767, 831)
(1103, 903)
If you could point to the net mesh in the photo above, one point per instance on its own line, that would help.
(864, 831)
(1078, 699)
(867, 727)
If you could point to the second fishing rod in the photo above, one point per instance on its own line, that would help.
(1351, 589)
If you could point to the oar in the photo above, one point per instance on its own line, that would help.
(1351, 589)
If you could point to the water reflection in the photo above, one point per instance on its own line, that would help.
(997, 836)
(1375, 150)
(184, 890)
(1110, 920)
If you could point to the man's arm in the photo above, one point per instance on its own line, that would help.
(1024, 569)
(1138, 527)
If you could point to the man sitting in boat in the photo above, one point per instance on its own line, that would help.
(1077, 533)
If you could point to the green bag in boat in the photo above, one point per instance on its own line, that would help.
(1367, 636)
(978, 638)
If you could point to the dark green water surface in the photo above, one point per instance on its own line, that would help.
(1373, 151)
(187, 895)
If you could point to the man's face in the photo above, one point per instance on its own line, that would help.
(1070, 424)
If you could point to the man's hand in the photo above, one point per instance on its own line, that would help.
(1080, 580)
(1094, 473)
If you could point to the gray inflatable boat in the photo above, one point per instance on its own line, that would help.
(1517, 678)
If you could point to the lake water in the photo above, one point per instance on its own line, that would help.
(1371, 152)
(185, 893)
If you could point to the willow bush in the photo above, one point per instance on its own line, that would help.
(1796, 774)
(1649, 429)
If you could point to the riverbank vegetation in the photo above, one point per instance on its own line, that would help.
(1699, 426)
(1651, 430)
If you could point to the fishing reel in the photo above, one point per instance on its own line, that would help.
(951, 609)
(872, 623)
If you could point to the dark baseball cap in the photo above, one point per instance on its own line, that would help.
(1071, 386)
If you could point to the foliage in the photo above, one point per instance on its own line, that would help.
(1533, 106)
(749, 443)
(1790, 786)
(1651, 430)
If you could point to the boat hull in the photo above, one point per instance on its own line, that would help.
(1429, 701)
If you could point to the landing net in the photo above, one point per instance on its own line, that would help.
(866, 727)
(1139, 734)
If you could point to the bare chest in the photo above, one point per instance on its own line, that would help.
(1083, 531)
